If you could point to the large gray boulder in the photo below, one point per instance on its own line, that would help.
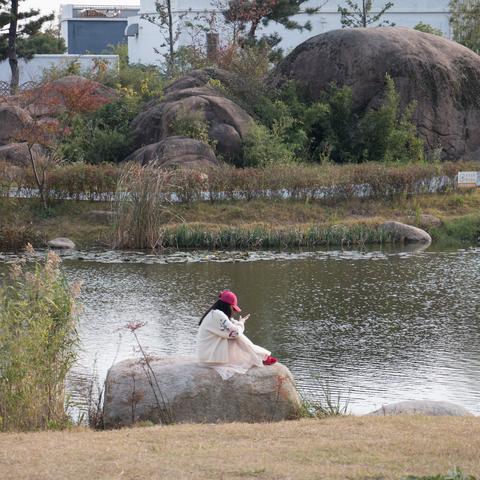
(13, 121)
(442, 76)
(191, 393)
(182, 152)
(422, 407)
(227, 122)
(18, 154)
(406, 233)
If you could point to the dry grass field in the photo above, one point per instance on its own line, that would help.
(337, 448)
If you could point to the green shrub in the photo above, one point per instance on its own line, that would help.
(192, 125)
(387, 134)
(38, 342)
(103, 136)
(263, 147)
(334, 129)
(331, 125)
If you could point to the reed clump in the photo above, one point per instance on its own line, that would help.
(140, 208)
(38, 341)
(198, 236)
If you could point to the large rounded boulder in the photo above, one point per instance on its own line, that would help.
(193, 96)
(13, 123)
(176, 152)
(442, 76)
(180, 390)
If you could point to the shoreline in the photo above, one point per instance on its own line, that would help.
(250, 225)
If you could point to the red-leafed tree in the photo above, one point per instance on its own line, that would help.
(62, 101)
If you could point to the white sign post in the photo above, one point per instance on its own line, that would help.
(468, 179)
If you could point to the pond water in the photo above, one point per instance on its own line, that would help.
(373, 327)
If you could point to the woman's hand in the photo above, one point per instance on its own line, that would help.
(244, 319)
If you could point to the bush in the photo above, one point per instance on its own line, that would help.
(102, 136)
(38, 343)
(333, 129)
(263, 147)
(386, 134)
(193, 125)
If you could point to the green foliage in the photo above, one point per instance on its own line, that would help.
(331, 125)
(465, 21)
(193, 125)
(333, 129)
(263, 146)
(458, 232)
(358, 16)
(136, 80)
(387, 134)
(38, 343)
(426, 28)
(29, 23)
(102, 136)
(41, 43)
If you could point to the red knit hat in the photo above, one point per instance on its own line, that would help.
(230, 298)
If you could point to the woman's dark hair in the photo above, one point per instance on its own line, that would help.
(218, 305)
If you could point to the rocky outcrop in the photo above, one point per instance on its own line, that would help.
(176, 151)
(18, 154)
(406, 233)
(61, 243)
(442, 76)
(227, 122)
(423, 407)
(189, 392)
(13, 121)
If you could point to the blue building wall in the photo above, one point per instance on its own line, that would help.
(94, 36)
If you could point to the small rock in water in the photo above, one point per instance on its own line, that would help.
(61, 243)
(422, 407)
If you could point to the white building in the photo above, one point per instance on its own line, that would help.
(144, 37)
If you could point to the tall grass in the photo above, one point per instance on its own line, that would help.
(38, 342)
(140, 208)
(259, 236)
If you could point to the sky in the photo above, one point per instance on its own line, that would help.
(46, 6)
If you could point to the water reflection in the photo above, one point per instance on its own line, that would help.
(377, 326)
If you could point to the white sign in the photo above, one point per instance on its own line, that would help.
(469, 179)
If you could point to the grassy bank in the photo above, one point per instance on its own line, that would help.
(337, 448)
(249, 224)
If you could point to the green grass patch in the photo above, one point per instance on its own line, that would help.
(464, 230)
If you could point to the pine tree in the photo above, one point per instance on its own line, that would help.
(250, 14)
(358, 16)
(16, 24)
(465, 21)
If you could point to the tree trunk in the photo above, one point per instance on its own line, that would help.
(253, 29)
(12, 48)
(170, 36)
(364, 14)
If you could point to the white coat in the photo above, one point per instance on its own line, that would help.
(220, 340)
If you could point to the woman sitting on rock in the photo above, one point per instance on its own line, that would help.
(221, 343)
